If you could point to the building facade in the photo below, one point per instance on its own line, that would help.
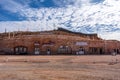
(56, 42)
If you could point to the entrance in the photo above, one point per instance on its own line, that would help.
(81, 51)
(48, 51)
(115, 51)
(96, 50)
(101, 51)
(118, 51)
(20, 50)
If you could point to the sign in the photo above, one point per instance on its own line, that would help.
(49, 43)
(36, 44)
(81, 43)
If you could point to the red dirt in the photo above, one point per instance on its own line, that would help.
(60, 67)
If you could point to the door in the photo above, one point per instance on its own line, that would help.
(48, 51)
(101, 51)
(81, 51)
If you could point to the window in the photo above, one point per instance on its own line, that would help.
(37, 51)
(16, 49)
(25, 49)
(64, 49)
(36, 48)
(20, 50)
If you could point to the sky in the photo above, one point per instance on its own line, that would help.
(12, 10)
(86, 16)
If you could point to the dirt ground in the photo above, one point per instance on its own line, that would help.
(60, 67)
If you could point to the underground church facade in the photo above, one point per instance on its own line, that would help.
(56, 42)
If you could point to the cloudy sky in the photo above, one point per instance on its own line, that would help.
(86, 16)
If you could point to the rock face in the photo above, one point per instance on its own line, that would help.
(56, 42)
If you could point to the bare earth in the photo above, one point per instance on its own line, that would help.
(105, 67)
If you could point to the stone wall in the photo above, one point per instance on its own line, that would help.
(58, 44)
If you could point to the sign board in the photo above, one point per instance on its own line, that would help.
(81, 43)
(36, 43)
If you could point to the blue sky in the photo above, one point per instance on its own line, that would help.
(7, 14)
(86, 16)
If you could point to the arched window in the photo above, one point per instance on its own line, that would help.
(20, 50)
(36, 48)
(37, 51)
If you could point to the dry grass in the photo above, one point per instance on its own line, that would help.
(60, 67)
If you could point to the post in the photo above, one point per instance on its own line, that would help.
(5, 30)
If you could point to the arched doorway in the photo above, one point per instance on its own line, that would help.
(64, 50)
(20, 50)
(115, 51)
(48, 51)
(80, 51)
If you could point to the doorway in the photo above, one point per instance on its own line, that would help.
(96, 50)
(48, 51)
(81, 51)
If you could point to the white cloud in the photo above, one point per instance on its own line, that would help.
(110, 35)
(24, 25)
(77, 3)
(89, 14)
(76, 17)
